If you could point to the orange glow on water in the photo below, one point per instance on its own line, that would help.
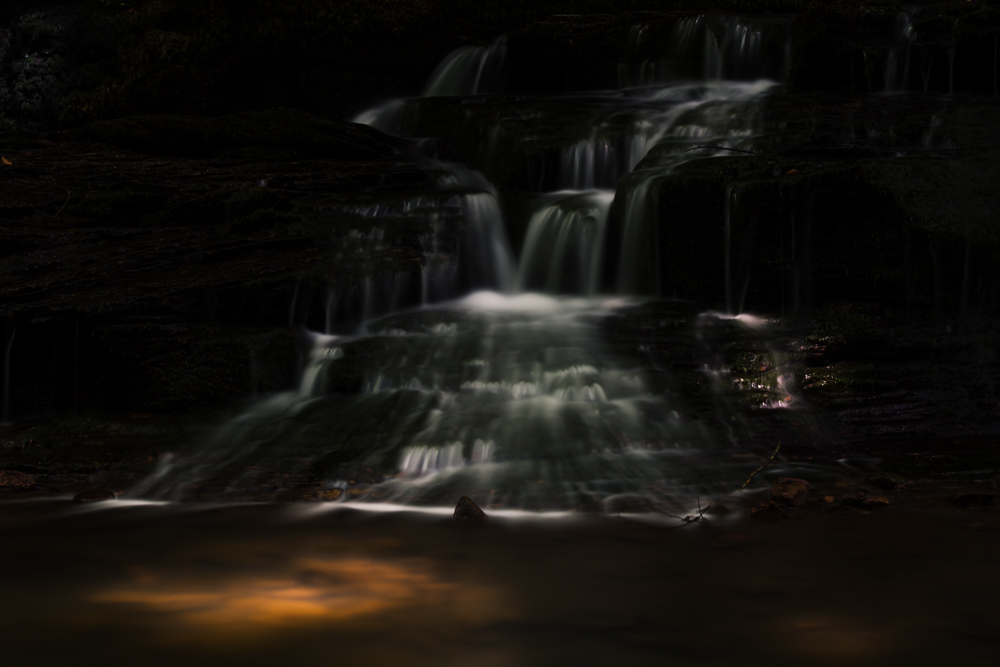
(836, 639)
(307, 591)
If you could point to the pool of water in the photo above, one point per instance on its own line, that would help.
(259, 583)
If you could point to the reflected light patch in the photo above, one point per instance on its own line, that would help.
(833, 639)
(313, 590)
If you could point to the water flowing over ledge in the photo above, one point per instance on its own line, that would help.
(507, 366)
(512, 393)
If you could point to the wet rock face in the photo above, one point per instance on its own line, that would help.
(562, 53)
(270, 134)
(12, 480)
(165, 281)
(72, 62)
(934, 47)
(65, 64)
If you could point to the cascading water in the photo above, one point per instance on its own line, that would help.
(706, 47)
(565, 243)
(897, 65)
(468, 70)
(519, 382)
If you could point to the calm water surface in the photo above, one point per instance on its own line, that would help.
(305, 583)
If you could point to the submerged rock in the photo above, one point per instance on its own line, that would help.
(855, 498)
(885, 481)
(872, 502)
(468, 513)
(94, 496)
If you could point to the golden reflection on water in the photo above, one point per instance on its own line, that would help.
(305, 591)
(837, 638)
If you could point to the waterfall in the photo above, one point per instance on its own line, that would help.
(564, 245)
(487, 259)
(706, 47)
(637, 259)
(476, 371)
(468, 70)
(897, 65)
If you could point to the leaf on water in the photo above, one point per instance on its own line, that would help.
(6, 161)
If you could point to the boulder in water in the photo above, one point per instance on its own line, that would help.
(886, 481)
(790, 491)
(468, 513)
(94, 496)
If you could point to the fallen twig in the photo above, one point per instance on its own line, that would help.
(691, 518)
(762, 466)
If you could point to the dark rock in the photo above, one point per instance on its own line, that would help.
(12, 480)
(885, 481)
(468, 513)
(793, 480)
(167, 287)
(973, 499)
(768, 512)
(251, 134)
(94, 496)
(855, 499)
(790, 492)
(872, 502)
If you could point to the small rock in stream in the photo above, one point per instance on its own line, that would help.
(468, 513)
(790, 491)
(886, 481)
(854, 497)
(13, 480)
(94, 496)
(872, 502)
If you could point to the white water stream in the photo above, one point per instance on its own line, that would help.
(510, 380)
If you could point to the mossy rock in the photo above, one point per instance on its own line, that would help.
(886, 481)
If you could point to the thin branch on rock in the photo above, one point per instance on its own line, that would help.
(762, 466)
(690, 518)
